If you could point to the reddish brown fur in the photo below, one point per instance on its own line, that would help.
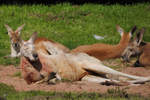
(105, 51)
(72, 66)
(137, 47)
(15, 37)
(144, 58)
(29, 73)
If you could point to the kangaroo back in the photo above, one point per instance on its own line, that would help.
(144, 58)
(106, 51)
(74, 66)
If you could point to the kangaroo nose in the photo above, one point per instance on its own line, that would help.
(125, 58)
(35, 55)
(16, 45)
(122, 57)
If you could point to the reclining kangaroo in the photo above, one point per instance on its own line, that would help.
(70, 66)
(106, 51)
(29, 73)
(15, 41)
(139, 48)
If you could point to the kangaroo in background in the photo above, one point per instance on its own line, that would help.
(106, 51)
(15, 40)
(139, 48)
(71, 66)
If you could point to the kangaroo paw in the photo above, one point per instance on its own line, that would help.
(108, 83)
(137, 64)
(48, 79)
(42, 81)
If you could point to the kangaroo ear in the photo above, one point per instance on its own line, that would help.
(120, 30)
(139, 36)
(132, 30)
(8, 29)
(18, 30)
(33, 37)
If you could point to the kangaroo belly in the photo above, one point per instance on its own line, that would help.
(64, 66)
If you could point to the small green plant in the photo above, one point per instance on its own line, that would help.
(117, 92)
(65, 80)
(17, 74)
(9, 93)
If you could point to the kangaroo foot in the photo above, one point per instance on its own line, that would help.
(137, 64)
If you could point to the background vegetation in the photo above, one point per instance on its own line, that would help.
(8, 93)
(48, 2)
(71, 25)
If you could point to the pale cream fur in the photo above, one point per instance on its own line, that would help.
(73, 66)
(77, 66)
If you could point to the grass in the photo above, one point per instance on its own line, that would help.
(17, 74)
(9, 93)
(71, 25)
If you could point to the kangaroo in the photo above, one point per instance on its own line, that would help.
(29, 73)
(139, 48)
(74, 66)
(15, 40)
(106, 51)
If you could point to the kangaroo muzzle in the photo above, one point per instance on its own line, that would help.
(125, 58)
(35, 56)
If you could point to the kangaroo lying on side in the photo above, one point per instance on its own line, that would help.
(29, 73)
(139, 48)
(70, 66)
(15, 41)
(106, 51)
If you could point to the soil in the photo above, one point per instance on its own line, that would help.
(7, 76)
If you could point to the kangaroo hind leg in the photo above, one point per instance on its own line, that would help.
(103, 81)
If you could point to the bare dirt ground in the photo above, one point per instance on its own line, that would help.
(7, 76)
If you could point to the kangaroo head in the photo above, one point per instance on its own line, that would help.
(133, 47)
(125, 36)
(15, 37)
(28, 49)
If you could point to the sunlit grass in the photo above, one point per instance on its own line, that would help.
(71, 25)
(9, 93)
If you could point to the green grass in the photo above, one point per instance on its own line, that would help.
(71, 25)
(113, 94)
(17, 74)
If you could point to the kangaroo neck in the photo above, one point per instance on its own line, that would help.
(123, 42)
(36, 64)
